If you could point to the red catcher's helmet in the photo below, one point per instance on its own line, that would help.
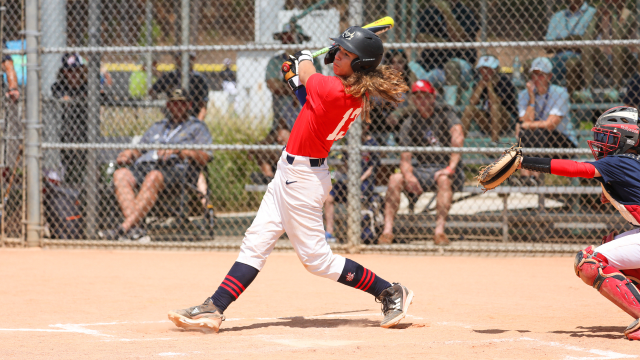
(615, 132)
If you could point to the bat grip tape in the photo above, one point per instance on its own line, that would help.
(542, 165)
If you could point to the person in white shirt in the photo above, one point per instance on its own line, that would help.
(543, 111)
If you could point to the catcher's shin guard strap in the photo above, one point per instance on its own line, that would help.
(594, 270)
(542, 165)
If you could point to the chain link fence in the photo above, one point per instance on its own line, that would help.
(124, 158)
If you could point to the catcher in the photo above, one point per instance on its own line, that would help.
(613, 268)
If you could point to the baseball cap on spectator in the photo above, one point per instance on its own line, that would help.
(541, 64)
(178, 94)
(488, 61)
(423, 86)
(72, 60)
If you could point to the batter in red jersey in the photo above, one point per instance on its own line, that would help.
(294, 198)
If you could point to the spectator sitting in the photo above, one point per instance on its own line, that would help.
(369, 163)
(426, 123)
(543, 109)
(613, 21)
(71, 89)
(569, 24)
(153, 171)
(198, 88)
(450, 69)
(496, 97)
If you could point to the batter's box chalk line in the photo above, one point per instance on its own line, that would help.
(601, 354)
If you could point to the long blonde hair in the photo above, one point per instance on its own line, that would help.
(384, 83)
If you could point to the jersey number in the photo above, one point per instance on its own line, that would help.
(337, 134)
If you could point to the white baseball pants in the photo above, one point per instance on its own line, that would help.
(293, 203)
(624, 252)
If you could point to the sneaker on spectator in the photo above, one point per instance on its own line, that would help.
(583, 96)
(111, 234)
(136, 233)
(330, 238)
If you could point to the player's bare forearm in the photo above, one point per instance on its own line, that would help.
(306, 69)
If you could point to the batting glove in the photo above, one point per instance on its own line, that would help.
(290, 73)
(303, 56)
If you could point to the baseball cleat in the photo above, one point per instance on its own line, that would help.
(395, 302)
(633, 331)
(201, 317)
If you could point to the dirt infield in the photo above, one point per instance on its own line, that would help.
(99, 304)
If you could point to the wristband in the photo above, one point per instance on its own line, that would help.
(542, 165)
(450, 169)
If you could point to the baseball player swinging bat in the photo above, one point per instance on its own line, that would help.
(377, 27)
(295, 197)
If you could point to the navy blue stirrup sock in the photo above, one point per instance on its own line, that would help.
(359, 277)
(237, 280)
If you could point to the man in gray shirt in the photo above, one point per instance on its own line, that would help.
(154, 170)
(425, 123)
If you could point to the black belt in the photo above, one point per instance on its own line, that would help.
(312, 162)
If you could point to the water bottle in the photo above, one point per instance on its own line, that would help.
(517, 76)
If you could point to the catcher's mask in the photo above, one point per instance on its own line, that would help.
(615, 132)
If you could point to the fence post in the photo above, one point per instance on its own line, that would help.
(32, 138)
(148, 23)
(184, 24)
(93, 121)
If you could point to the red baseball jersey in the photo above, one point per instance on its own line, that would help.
(324, 118)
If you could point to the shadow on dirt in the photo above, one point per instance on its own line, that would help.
(498, 331)
(604, 332)
(300, 322)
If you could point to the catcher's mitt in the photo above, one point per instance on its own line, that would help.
(497, 172)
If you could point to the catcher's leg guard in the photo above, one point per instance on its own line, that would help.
(594, 270)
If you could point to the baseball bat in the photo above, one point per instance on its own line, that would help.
(377, 27)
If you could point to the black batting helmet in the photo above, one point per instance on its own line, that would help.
(362, 42)
(615, 132)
